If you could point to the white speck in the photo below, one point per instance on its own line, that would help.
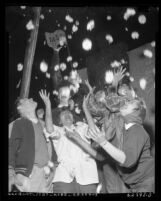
(44, 42)
(127, 74)
(43, 66)
(90, 25)
(109, 77)
(24, 15)
(77, 110)
(135, 35)
(77, 22)
(122, 61)
(69, 37)
(73, 74)
(30, 25)
(74, 28)
(143, 83)
(109, 17)
(131, 79)
(75, 64)
(36, 77)
(69, 58)
(153, 43)
(48, 75)
(69, 18)
(129, 12)
(126, 28)
(58, 25)
(65, 28)
(142, 19)
(19, 67)
(23, 7)
(148, 53)
(63, 66)
(109, 38)
(55, 92)
(87, 44)
(65, 77)
(56, 68)
(42, 16)
(49, 10)
(115, 64)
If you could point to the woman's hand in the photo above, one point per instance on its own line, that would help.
(85, 101)
(91, 90)
(118, 76)
(97, 135)
(45, 97)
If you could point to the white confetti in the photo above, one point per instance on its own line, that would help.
(153, 43)
(109, 38)
(43, 66)
(135, 35)
(127, 74)
(129, 12)
(55, 92)
(56, 68)
(87, 44)
(30, 25)
(90, 25)
(63, 66)
(115, 64)
(65, 28)
(69, 37)
(65, 77)
(131, 79)
(75, 64)
(143, 83)
(19, 67)
(77, 110)
(44, 42)
(109, 17)
(73, 74)
(49, 10)
(142, 19)
(109, 77)
(69, 18)
(48, 75)
(77, 23)
(148, 53)
(58, 25)
(42, 16)
(126, 29)
(69, 58)
(74, 28)
(23, 7)
(36, 77)
(122, 61)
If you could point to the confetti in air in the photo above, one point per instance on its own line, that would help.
(153, 43)
(87, 44)
(75, 64)
(77, 22)
(44, 42)
(69, 58)
(90, 25)
(69, 18)
(142, 19)
(127, 74)
(69, 37)
(135, 35)
(65, 28)
(122, 61)
(148, 53)
(65, 77)
(30, 25)
(115, 64)
(74, 28)
(63, 66)
(109, 17)
(49, 10)
(19, 67)
(48, 75)
(56, 68)
(126, 29)
(55, 92)
(131, 79)
(109, 77)
(43, 66)
(129, 12)
(109, 38)
(23, 7)
(42, 16)
(36, 77)
(143, 83)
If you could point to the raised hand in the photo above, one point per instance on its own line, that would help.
(45, 97)
(97, 135)
(118, 76)
(85, 101)
(91, 90)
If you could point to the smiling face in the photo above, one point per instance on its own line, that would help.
(66, 118)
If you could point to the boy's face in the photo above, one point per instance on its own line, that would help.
(128, 108)
(66, 118)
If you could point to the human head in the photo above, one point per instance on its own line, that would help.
(40, 113)
(126, 90)
(64, 94)
(66, 118)
(100, 96)
(136, 107)
(26, 107)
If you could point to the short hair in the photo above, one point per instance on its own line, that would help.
(141, 107)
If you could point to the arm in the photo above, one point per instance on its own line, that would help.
(114, 152)
(48, 114)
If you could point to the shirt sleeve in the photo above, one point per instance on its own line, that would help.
(133, 144)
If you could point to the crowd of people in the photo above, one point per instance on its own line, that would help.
(59, 151)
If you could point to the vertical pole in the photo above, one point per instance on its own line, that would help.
(29, 55)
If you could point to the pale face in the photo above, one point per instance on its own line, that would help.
(128, 108)
(27, 105)
(66, 118)
(64, 94)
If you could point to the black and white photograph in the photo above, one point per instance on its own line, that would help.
(81, 99)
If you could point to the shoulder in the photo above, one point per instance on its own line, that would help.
(138, 130)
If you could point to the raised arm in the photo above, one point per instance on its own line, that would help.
(48, 113)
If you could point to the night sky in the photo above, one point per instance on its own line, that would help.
(107, 20)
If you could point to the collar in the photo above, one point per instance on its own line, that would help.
(60, 105)
(34, 120)
(127, 126)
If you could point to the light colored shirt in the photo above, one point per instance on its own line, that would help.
(73, 161)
